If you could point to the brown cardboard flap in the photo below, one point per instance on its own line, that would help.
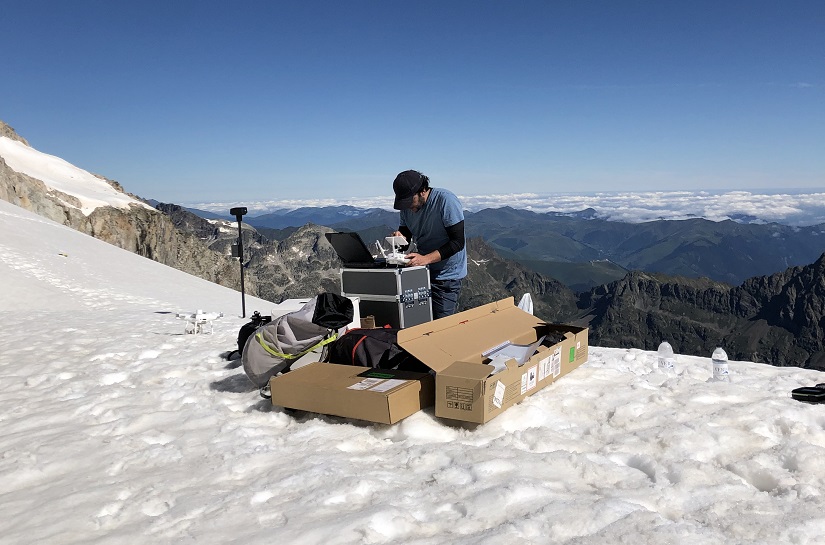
(429, 328)
(464, 336)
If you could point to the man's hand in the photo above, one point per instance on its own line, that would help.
(418, 260)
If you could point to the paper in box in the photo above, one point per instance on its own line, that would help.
(454, 347)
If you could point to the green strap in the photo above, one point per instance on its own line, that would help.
(263, 343)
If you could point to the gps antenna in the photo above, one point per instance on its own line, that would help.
(239, 212)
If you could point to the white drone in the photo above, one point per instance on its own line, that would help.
(395, 256)
(197, 322)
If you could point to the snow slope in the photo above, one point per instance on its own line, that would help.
(116, 427)
(58, 174)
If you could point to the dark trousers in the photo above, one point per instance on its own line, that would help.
(444, 297)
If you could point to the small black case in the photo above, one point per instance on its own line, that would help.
(809, 394)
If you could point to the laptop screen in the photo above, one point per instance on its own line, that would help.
(350, 248)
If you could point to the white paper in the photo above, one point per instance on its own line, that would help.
(551, 365)
(519, 352)
(498, 396)
(556, 363)
(499, 362)
(532, 377)
(388, 385)
(365, 384)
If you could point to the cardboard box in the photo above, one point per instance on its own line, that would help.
(455, 347)
(377, 395)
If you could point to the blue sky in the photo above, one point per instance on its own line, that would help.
(211, 101)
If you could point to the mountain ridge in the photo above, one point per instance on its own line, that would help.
(563, 245)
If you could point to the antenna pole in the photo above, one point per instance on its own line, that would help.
(239, 213)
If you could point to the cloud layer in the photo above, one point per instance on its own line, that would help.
(787, 208)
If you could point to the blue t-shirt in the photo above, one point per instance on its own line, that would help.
(429, 230)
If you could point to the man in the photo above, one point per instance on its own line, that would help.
(433, 220)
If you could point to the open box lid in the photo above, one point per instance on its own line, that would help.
(464, 336)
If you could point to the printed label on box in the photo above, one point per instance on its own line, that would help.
(498, 396)
(529, 379)
(388, 385)
(572, 354)
(532, 377)
(544, 368)
(459, 398)
(551, 365)
(366, 384)
(556, 363)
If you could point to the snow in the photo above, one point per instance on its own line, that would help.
(117, 427)
(62, 176)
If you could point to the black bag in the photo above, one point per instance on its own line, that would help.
(373, 348)
(332, 311)
(248, 329)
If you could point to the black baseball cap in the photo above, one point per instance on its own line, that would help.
(406, 185)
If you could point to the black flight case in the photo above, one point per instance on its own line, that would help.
(399, 297)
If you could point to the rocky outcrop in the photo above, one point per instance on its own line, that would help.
(32, 194)
(151, 234)
(301, 265)
(207, 231)
(642, 309)
(777, 319)
(9, 132)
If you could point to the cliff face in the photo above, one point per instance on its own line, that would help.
(641, 310)
(789, 327)
(777, 319)
(301, 265)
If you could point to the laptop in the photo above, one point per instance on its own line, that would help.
(354, 253)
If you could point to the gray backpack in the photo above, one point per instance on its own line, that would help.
(275, 346)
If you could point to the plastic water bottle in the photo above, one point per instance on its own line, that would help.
(720, 365)
(667, 361)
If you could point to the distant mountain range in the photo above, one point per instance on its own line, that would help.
(726, 251)
(583, 251)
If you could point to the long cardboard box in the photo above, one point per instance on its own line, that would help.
(457, 348)
(376, 395)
